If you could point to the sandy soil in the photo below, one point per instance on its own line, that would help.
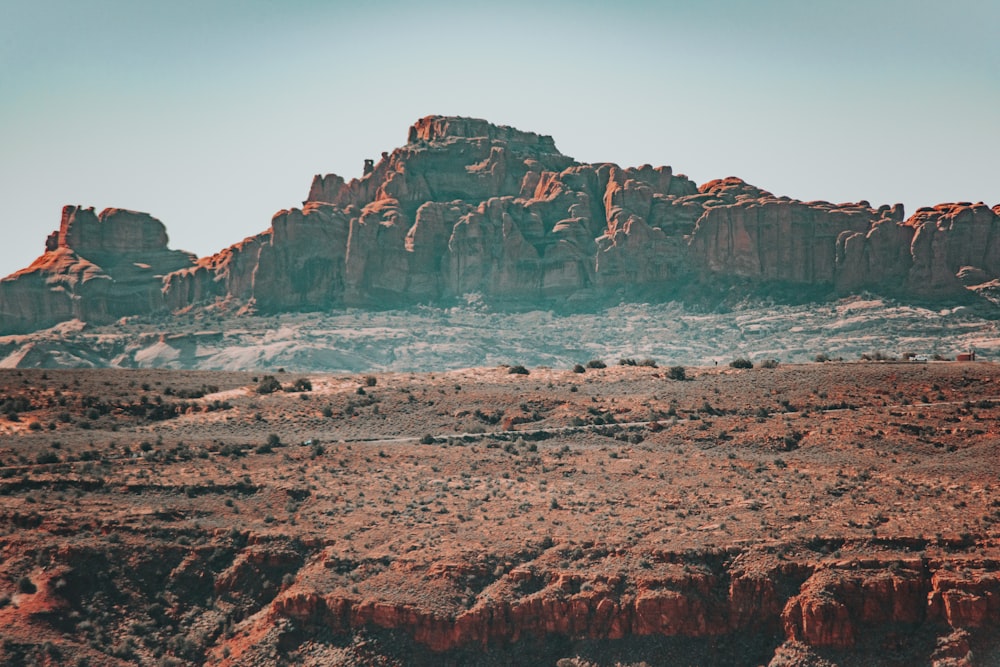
(178, 517)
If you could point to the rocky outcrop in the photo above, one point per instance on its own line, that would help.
(465, 206)
(815, 606)
(469, 206)
(95, 268)
(931, 254)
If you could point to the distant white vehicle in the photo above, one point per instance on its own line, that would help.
(920, 357)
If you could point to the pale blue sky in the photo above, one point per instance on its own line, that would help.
(213, 115)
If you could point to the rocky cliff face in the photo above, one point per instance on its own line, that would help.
(95, 268)
(931, 254)
(465, 206)
(468, 206)
(833, 606)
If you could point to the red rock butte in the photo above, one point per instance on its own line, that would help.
(467, 206)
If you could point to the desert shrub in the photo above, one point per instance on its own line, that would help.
(677, 373)
(821, 358)
(877, 356)
(274, 440)
(370, 380)
(328, 412)
(518, 370)
(648, 363)
(302, 384)
(35, 426)
(268, 385)
(488, 417)
(791, 440)
(769, 363)
(47, 457)
(627, 362)
(25, 585)
(578, 368)
(427, 440)
(741, 363)
(596, 363)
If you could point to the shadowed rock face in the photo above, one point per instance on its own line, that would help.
(468, 206)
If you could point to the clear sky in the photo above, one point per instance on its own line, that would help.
(214, 115)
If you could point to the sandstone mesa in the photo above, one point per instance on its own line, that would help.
(467, 206)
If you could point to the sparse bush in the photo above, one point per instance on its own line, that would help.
(877, 356)
(47, 457)
(268, 385)
(274, 440)
(627, 362)
(427, 440)
(596, 363)
(370, 380)
(302, 384)
(677, 373)
(648, 363)
(518, 370)
(578, 368)
(769, 363)
(741, 363)
(25, 585)
(821, 358)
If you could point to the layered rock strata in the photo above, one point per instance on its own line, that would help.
(96, 268)
(820, 606)
(466, 206)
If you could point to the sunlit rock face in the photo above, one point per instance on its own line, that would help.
(96, 268)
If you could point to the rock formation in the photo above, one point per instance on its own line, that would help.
(831, 607)
(471, 207)
(95, 268)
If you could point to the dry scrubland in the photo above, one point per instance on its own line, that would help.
(827, 512)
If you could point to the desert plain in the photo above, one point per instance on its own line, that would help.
(840, 513)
